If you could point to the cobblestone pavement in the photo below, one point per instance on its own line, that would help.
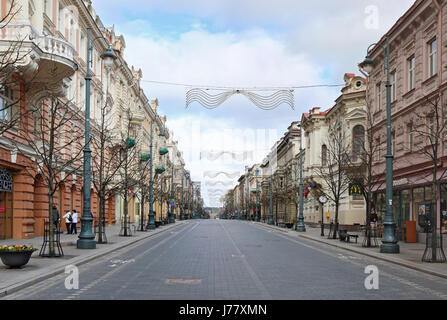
(221, 259)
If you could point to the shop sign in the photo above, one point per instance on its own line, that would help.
(400, 182)
(5, 181)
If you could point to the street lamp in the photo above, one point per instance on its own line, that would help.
(389, 241)
(171, 217)
(258, 218)
(151, 220)
(300, 227)
(181, 209)
(271, 222)
(87, 237)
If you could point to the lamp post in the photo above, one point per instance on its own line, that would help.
(151, 220)
(322, 200)
(271, 196)
(389, 240)
(300, 227)
(247, 202)
(257, 218)
(171, 216)
(181, 208)
(87, 237)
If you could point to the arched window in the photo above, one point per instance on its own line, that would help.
(324, 155)
(358, 141)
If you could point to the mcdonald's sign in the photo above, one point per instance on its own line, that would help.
(355, 189)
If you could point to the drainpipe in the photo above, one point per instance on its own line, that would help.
(439, 39)
(439, 71)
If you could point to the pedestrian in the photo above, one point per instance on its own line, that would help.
(56, 219)
(68, 220)
(74, 216)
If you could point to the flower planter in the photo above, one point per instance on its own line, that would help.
(15, 259)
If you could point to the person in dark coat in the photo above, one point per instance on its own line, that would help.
(56, 219)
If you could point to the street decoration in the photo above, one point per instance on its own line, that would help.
(268, 102)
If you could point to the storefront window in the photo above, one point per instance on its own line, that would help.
(444, 208)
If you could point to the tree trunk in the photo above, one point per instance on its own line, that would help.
(51, 223)
(434, 215)
(336, 220)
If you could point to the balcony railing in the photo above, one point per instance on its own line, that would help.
(27, 33)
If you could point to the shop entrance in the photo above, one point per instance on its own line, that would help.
(6, 219)
(401, 211)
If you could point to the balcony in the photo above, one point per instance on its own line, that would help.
(43, 59)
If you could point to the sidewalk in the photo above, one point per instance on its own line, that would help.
(39, 269)
(410, 255)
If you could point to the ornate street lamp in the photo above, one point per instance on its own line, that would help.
(300, 227)
(151, 220)
(271, 222)
(389, 240)
(87, 237)
(171, 216)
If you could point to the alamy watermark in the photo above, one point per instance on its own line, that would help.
(372, 280)
(72, 280)
(372, 19)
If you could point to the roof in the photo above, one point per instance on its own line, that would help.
(399, 22)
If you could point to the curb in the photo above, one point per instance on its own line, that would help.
(400, 262)
(60, 268)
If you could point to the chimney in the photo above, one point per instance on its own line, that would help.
(315, 110)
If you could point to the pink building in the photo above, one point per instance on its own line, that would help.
(418, 80)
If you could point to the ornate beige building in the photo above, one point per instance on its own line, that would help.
(348, 116)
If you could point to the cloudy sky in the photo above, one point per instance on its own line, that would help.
(243, 44)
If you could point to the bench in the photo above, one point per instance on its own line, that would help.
(345, 236)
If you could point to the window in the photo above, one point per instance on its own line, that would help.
(358, 141)
(411, 75)
(324, 155)
(432, 56)
(83, 47)
(379, 96)
(6, 104)
(393, 86)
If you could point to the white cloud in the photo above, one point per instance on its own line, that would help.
(250, 58)
(257, 43)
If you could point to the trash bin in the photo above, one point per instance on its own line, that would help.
(410, 232)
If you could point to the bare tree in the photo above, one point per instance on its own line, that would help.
(361, 166)
(106, 163)
(334, 174)
(128, 158)
(431, 132)
(57, 150)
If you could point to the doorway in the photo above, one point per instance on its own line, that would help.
(401, 211)
(6, 218)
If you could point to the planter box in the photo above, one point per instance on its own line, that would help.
(16, 259)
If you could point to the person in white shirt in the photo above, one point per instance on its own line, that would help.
(68, 219)
(74, 216)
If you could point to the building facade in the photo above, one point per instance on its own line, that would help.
(418, 83)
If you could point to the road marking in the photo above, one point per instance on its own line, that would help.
(441, 295)
(183, 281)
(263, 290)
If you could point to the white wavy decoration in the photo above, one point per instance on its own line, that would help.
(268, 102)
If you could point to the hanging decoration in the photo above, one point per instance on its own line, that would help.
(268, 102)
